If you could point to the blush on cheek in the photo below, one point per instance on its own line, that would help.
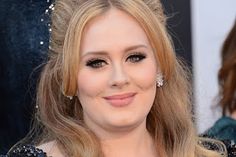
(147, 82)
(90, 84)
(145, 77)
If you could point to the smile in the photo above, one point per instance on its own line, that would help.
(120, 100)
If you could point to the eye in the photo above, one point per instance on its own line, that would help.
(96, 63)
(136, 57)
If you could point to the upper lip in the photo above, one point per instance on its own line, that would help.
(119, 96)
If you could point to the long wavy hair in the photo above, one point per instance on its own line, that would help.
(61, 119)
(227, 73)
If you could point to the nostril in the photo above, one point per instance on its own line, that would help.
(119, 80)
(119, 84)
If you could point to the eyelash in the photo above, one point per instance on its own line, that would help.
(136, 57)
(96, 63)
(99, 63)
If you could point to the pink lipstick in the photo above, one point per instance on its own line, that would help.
(120, 100)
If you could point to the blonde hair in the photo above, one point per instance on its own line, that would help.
(169, 121)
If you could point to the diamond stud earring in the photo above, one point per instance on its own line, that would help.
(159, 80)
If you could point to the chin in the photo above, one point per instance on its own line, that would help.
(126, 124)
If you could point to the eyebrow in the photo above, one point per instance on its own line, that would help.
(105, 52)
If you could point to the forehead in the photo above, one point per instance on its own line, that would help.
(115, 27)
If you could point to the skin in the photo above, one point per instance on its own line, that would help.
(51, 149)
(117, 60)
(233, 115)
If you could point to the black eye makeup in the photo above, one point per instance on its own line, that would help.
(136, 57)
(96, 63)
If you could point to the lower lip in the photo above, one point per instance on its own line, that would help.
(120, 102)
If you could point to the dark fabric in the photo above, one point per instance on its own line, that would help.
(229, 144)
(32, 151)
(21, 31)
(224, 128)
(231, 148)
(26, 151)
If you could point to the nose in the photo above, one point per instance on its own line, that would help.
(119, 77)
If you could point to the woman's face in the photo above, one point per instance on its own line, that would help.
(117, 74)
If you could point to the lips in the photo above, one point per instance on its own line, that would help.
(120, 100)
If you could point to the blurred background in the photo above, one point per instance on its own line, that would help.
(211, 23)
(198, 28)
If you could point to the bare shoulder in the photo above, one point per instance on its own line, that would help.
(51, 149)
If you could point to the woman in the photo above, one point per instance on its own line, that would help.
(112, 85)
(225, 127)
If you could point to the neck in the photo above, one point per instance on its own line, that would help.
(233, 115)
(135, 142)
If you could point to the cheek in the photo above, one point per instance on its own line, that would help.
(90, 84)
(145, 76)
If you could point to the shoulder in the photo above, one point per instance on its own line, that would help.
(224, 122)
(51, 149)
(224, 128)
